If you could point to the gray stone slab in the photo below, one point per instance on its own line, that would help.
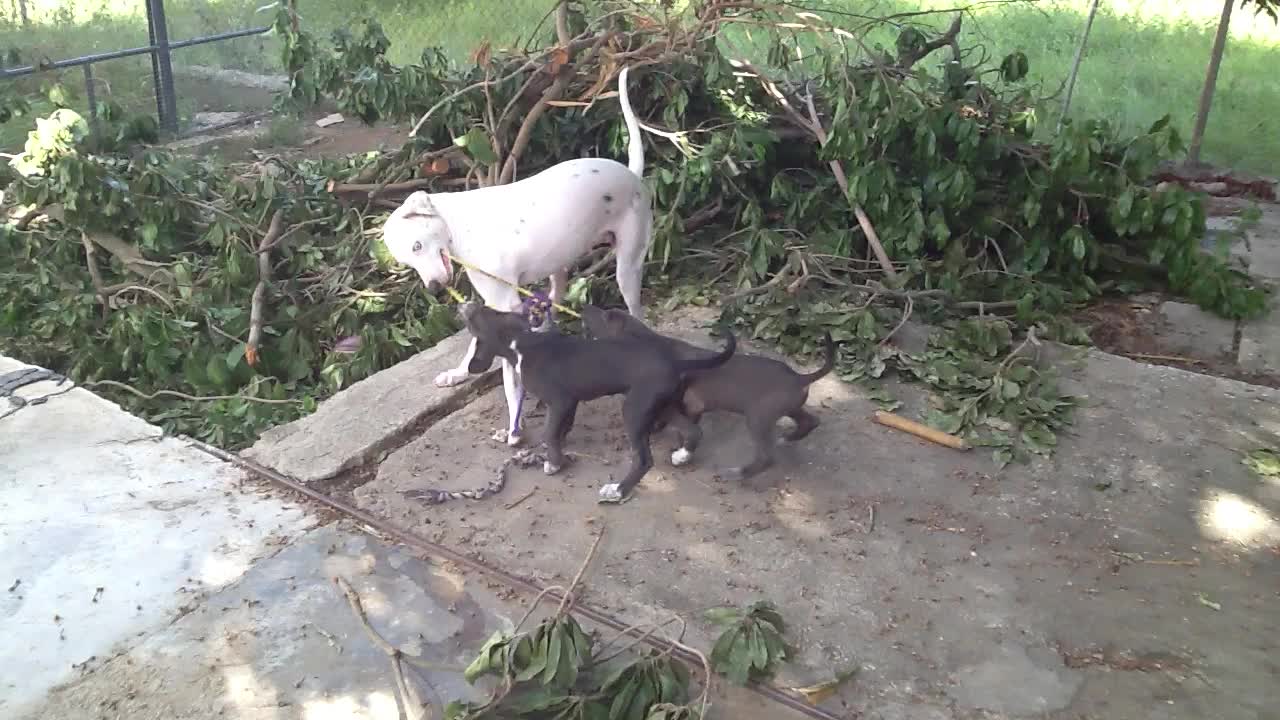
(354, 425)
(1186, 329)
(109, 530)
(922, 565)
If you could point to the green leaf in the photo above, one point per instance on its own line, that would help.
(1010, 390)
(235, 355)
(724, 615)
(739, 668)
(622, 701)
(1002, 457)
(476, 143)
(216, 370)
(1264, 462)
(554, 648)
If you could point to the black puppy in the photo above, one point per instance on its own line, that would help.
(761, 389)
(564, 370)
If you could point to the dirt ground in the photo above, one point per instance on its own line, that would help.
(1135, 574)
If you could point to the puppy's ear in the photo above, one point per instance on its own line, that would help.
(616, 319)
(418, 204)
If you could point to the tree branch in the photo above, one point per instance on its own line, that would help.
(260, 290)
(132, 258)
(906, 60)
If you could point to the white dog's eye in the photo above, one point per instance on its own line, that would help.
(417, 247)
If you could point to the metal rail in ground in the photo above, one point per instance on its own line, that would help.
(516, 582)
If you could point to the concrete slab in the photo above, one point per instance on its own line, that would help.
(110, 531)
(958, 590)
(355, 425)
(1187, 330)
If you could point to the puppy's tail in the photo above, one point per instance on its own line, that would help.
(707, 363)
(635, 145)
(827, 365)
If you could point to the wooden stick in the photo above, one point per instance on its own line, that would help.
(898, 422)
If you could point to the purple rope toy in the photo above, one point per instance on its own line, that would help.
(536, 307)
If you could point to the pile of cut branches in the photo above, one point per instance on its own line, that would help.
(825, 180)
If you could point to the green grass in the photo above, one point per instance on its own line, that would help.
(1145, 59)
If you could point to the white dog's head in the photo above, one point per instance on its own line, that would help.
(417, 236)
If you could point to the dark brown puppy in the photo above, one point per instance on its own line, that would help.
(760, 389)
(565, 370)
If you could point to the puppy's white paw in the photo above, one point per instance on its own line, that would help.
(506, 437)
(449, 378)
(610, 493)
(680, 456)
(549, 468)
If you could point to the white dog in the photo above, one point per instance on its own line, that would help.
(530, 230)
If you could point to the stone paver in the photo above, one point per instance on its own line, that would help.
(353, 426)
(1186, 329)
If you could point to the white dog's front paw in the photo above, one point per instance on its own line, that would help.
(611, 493)
(680, 456)
(449, 378)
(549, 468)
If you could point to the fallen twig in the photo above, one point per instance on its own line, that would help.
(1164, 358)
(514, 503)
(260, 290)
(185, 396)
(116, 292)
(376, 189)
(566, 602)
(406, 695)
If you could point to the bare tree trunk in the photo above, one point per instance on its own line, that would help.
(22, 8)
(1075, 65)
(1210, 84)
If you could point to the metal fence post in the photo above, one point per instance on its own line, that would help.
(161, 66)
(92, 96)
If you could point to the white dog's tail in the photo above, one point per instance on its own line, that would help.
(635, 144)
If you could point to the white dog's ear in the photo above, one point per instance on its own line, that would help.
(418, 205)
